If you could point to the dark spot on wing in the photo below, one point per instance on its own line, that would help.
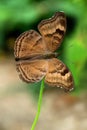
(64, 72)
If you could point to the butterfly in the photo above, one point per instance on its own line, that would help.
(35, 54)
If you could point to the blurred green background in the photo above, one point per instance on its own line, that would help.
(17, 16)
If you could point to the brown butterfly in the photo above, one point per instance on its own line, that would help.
(35, 56)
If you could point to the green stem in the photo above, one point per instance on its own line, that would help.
(39, 105)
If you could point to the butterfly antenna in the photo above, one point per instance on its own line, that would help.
(70, 45)
(69, 61)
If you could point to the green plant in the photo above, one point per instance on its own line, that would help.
(39, 106)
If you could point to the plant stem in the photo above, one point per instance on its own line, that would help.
(39, 106)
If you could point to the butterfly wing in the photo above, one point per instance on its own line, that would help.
(32, 71)
(53, 30)
(59, 75)
(29, 44)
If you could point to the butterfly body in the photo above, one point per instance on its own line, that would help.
(47, 55)
(36, 57)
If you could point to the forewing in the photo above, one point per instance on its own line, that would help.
(32, 71)
(59, 75)
(28, 44)
(53, 30)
